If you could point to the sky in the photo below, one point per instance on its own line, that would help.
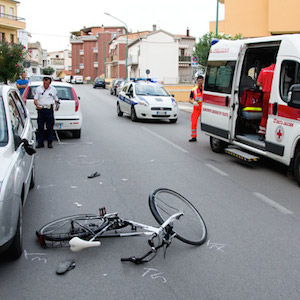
(50, 22)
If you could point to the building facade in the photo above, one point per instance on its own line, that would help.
(259, 18)
(60, 60)
(10, 23)
(90, 49)
(116, 61)
(38, 59)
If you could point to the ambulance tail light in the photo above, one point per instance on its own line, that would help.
(76, 100)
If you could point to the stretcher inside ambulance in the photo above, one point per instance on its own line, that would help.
(232, 100)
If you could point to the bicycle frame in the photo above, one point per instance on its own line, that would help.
(77, 244)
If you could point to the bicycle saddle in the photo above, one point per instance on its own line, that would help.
(77, 244)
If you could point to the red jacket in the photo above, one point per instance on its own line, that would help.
(251, 101)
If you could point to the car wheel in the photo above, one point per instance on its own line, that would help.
(32, 180)
(16, 247)
(76, 133)
(173, 120)
(119, 112)
(217, 145)
(94, 87)
(133, 114)
(297, 167)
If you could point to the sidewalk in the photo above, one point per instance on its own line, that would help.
(185, 106)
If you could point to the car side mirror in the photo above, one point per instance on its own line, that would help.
(294, 96)
(78, 97)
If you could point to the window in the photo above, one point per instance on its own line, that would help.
(219, 76)
(3, 125)
(2, 11)
(11, 13)
(2, 36)
(20, 105)
(11, 38)
(289, 75)
(15, 117)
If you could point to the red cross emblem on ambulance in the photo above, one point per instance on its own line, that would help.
(279, 134)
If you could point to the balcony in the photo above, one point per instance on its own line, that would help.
(184, 59)
(132, 60)
(12, 22)
(81, 66)
(81, 52)
(95, 64)
(95, 50)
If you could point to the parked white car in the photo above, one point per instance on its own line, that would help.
(147, 100)
(68, 117)
(17, 143)
(77, 79)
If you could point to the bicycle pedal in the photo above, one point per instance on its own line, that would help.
(102, 211)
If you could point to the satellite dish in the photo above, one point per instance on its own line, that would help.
(147, 71)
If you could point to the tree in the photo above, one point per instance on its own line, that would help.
(202, 47)
(48, 71)
(12, 60)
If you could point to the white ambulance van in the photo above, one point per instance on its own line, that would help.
(233, 68)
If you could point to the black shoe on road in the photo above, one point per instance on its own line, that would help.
(261, 137)
(50, 145)
(193, 140)
(39, 146)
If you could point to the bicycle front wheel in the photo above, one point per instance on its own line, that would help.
(55, 233)
(189, 228)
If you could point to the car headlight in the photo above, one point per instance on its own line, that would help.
(142, 103)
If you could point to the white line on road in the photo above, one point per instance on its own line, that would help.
(272, 203)
(165, 140)
(217, 170)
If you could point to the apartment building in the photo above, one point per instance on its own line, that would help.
(90, 49)
(10, 23)
(167, 56)
(38, 59)
(60, 60)
(259, 18)
(116, 60)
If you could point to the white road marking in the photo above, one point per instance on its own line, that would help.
(165, 140)
(272, 203)
(220, 172)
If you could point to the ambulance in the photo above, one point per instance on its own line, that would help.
(232, 72)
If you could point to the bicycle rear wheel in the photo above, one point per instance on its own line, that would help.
(189, 228)
(58, 233)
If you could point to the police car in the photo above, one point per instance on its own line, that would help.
(147, 100)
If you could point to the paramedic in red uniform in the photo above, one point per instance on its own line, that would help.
(196, 97)
(264, 80)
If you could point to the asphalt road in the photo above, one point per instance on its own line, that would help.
(252, 213)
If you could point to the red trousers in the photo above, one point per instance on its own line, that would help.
(264, 119)
(194, 119)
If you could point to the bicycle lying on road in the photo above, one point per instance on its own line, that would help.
(178, 218)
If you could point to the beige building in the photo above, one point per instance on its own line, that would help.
(256, 18)
(10, 23)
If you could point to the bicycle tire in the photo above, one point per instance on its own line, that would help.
(64, 229)
(189, 228)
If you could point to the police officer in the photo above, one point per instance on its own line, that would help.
(196, 99)
(264, 80)
(44, 99)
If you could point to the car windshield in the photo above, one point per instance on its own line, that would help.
(150, 90)
(3, 125)
(63, 92)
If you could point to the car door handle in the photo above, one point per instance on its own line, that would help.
(275, 108)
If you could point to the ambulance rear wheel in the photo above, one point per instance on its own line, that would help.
(297, 168)
(217, 145)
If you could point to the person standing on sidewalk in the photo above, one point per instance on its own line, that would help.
(264, 80)
(44, 99)
(22, 83)
(196, 97)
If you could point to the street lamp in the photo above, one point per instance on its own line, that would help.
(126, 41)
